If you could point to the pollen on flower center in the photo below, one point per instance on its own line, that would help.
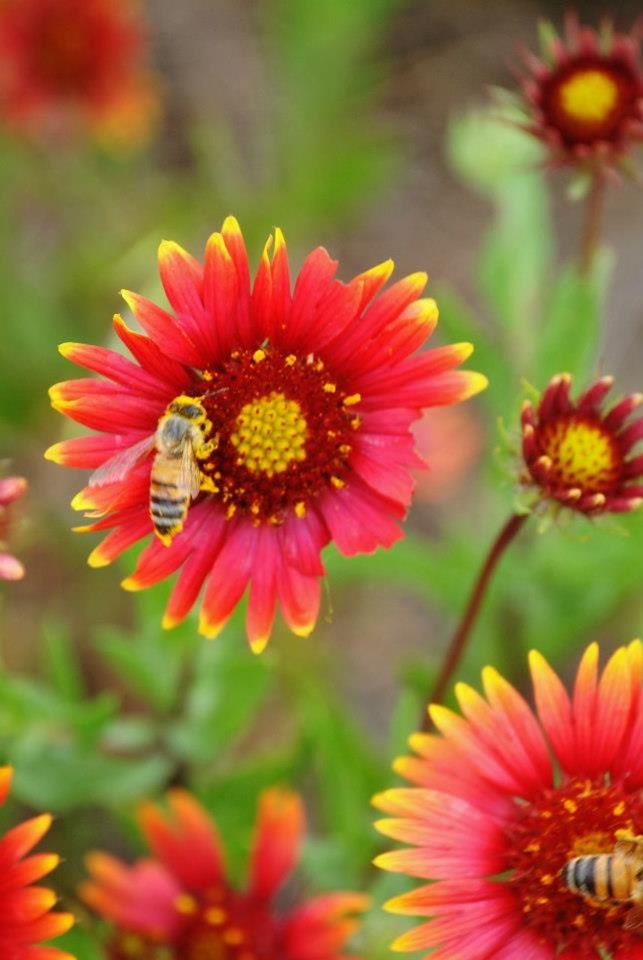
(271, 432)
(583, 454)
(589, 95)
(219, 928)
(284, 432)
(578, 819)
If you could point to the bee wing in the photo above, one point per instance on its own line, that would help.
(190, 476)
(118, 466)
(627, 842)
(634, 919)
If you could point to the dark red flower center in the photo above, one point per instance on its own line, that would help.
(282, 428)
(579, 818)
(220, 925)
(225, 926)
(589, 99)
(583, 454)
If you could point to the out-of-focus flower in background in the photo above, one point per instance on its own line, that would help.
(25, 911)
(182, 901)
(503, 791)
(11, 488)
(450, 440)
(75, 62)
(307, 399)
(584, 94)
(580, 455)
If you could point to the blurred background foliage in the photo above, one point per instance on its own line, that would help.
(361, 125)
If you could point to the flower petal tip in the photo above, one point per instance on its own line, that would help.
(11, 568)
(169, 622)
(131, 584)
(231, 225)
(210, 630)
(476, 383)
(54, 454)
(259, 644)
(97, 559)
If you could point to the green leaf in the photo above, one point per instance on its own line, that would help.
(228, 685)
(61, 662)
(61, 776)
(568, 340)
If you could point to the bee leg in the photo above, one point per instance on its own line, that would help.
(206, 449)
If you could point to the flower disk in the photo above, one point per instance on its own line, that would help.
(579, 455)
(303, 404)
(585, 94)
(179, 905)
(25, 910)
(75, 60)
(504, 799)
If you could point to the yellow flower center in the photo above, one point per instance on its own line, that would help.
(589, 96)
(271, 433)
(582, 454)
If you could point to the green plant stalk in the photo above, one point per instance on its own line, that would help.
(462, 634)
(590, 237)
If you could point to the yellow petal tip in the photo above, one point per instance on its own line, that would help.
(53, 454)
(231, 225)
(97, 559)
(131, 585)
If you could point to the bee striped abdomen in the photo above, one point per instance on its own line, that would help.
(169, 501)
(603, 877)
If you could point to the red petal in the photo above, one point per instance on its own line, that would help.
(277, 839)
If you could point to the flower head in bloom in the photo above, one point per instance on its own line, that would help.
(584, 95)
(179, 905)
(74, 61)
(11, 488)
(301, 404)
(25, 911)
(580, 455)
(505, 798)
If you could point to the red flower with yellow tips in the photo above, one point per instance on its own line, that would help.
(581, 455)
(75, 61)
(504, 798)
(305, 400)
(25, 910)
(180, 906)
(585, 94)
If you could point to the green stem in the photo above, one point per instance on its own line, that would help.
(459, 640)
(592, 226)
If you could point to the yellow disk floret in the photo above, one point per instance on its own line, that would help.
(589, 96)
(271, 433)
(582, 454)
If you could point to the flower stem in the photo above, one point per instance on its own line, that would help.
(459, 640)
(592, 226)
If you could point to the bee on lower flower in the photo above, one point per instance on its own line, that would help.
(611, 879)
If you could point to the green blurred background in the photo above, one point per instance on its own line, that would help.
(362, 126)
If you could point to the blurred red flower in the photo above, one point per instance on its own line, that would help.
(505, 798)
(180, 905)
(11, 488)
(450, 440)
(580, 455)
(306, 403)
(75, 61)
(25, 910)
(584, 94)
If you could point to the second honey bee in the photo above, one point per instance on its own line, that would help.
(611, 879)
(175, 479)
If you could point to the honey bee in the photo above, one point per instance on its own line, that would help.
(610, 879)
(175, 479)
